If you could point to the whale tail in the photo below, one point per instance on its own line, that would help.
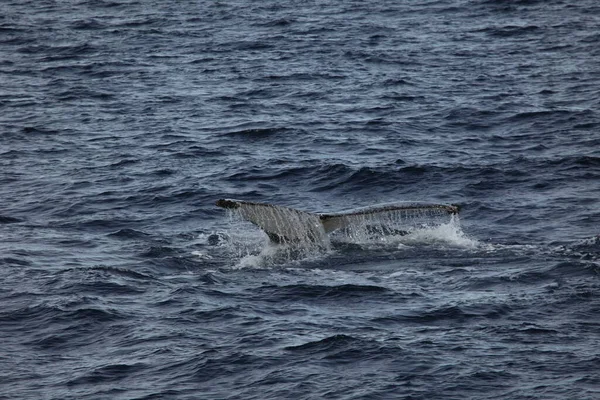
(285, 225)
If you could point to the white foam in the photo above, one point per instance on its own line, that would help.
(449, 233)
(281, 254)
(407, 232)
(201, 255)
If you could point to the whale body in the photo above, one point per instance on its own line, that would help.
(284, 224)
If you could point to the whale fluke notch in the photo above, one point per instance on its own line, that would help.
(284, 224)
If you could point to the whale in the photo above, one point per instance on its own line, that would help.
(287, 225)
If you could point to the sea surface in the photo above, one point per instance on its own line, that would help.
(122, 122)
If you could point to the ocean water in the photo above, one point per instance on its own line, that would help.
(122, 122)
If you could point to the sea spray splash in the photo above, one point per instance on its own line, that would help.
(257, 249)
(449, 233)
(403, 227)
(281, 224)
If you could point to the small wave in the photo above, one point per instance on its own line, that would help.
(107, 373)
(249, 45)
(341, 348)
(42, 313)
(256, 133)
(5, 219)
(209, 279)
(97, 223)
(587, 161)
(575, 268)
(127, 233)
(11, 261)
(87, 24)
(532, 329)
(38, 130)
(124, 162)
(447, 313)
(139, 22)
(54, 341)
(206, 316)
(195, 151)
(306, 291)
(264, 174)
(163, 172)
(276, 23)
(95, 314)
(106, 288)
(124, 272)
(176, 262)
(45, 314)
(68, 52)
(329, 343)
(158, 252)
(511, 30)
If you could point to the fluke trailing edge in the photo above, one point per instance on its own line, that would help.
(284, 224)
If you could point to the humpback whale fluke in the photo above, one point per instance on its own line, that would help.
(284, 224)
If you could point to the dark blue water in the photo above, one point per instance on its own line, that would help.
(121, 123)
